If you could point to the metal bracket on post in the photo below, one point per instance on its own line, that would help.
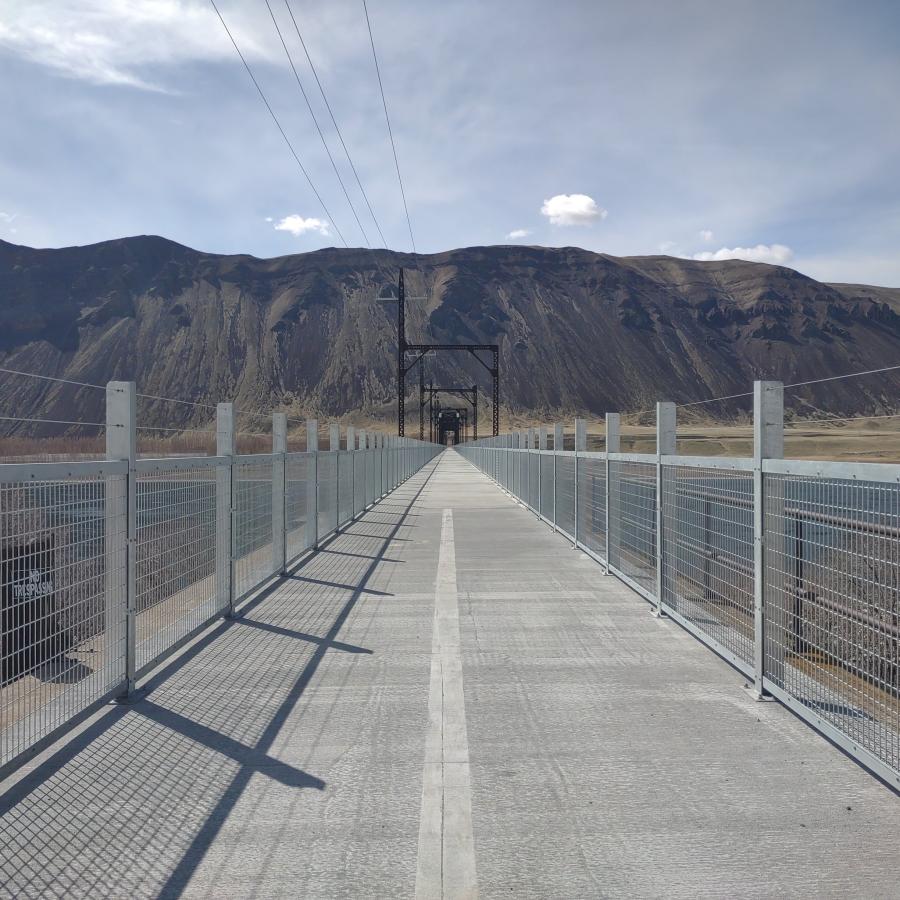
(666, 445)
(580, 447)
(768, 443)
(121, 527)
(279, 451)
(312, 484)
(225, 509)
(613, 443)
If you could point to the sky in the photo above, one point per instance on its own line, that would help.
(767, 131)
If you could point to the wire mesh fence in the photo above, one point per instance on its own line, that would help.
(63, 571)
(819, 627)
(175, 550)
(105, 569)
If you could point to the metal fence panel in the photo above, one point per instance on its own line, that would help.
(592, 504)
(707, 572)
(252, 530)
(296, 473)
(832, 601)
(345, 486)
(545, 494)
(175, 546)
(565, 494)
(327, 487)
(632, 538)
(63, 577)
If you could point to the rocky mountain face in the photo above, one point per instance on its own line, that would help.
(578, 331)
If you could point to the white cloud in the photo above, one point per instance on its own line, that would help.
(269, 219)
(572, 209)
(667, 246)
(7, 217)
(517, 234)
(111, 42)
(706, 235)
(297, 225)
(776, 254)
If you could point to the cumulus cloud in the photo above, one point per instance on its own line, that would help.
(297, 225)
(706, 235)
(517, 234)
(112, 42)
(572, 209)
(776, 254)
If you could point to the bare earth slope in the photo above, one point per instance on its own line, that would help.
(579, 331)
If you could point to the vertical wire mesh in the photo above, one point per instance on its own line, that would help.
(296, 475)
(592, 504)
(175, 565)
(345, 482)
(565, 494)
(534, 479)
(252, 529)
(359, 485)
(832, 602)
(63, 575)
(707, 572)
(633, 511)
(545, 464)
(327, 478)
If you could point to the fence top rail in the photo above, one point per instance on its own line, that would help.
(847, 471)
(736, 463)
(633, 457)
(180, 463)
(61, 471)
(249, 458)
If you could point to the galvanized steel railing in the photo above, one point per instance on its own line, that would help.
(109, 566)
(788, 569)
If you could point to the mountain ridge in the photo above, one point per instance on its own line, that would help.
(580, 332)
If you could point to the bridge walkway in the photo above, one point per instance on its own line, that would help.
(446, 700)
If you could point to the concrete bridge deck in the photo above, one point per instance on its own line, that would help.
(447, 701)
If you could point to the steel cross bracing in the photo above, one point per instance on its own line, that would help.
(421, 350)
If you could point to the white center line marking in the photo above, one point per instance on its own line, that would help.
(446, 862)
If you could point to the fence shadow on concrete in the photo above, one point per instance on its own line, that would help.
(130, 805)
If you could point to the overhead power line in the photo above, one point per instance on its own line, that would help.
(337, 130)
(387, 119)
(290, 59)
(278, 123)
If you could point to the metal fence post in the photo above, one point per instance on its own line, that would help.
(613, 442)
(312, 483)
(768, 443)
(666, 445)
(121, 523)
(279, 449)
(580, 447)
(225, 508)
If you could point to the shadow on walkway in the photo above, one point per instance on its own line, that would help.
(130, 805)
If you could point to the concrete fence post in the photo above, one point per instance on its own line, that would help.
(121, 526)
(312, 483)
(613, 444)
(666, 445)
(225, 508)
(279, 451)
(768, 443)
